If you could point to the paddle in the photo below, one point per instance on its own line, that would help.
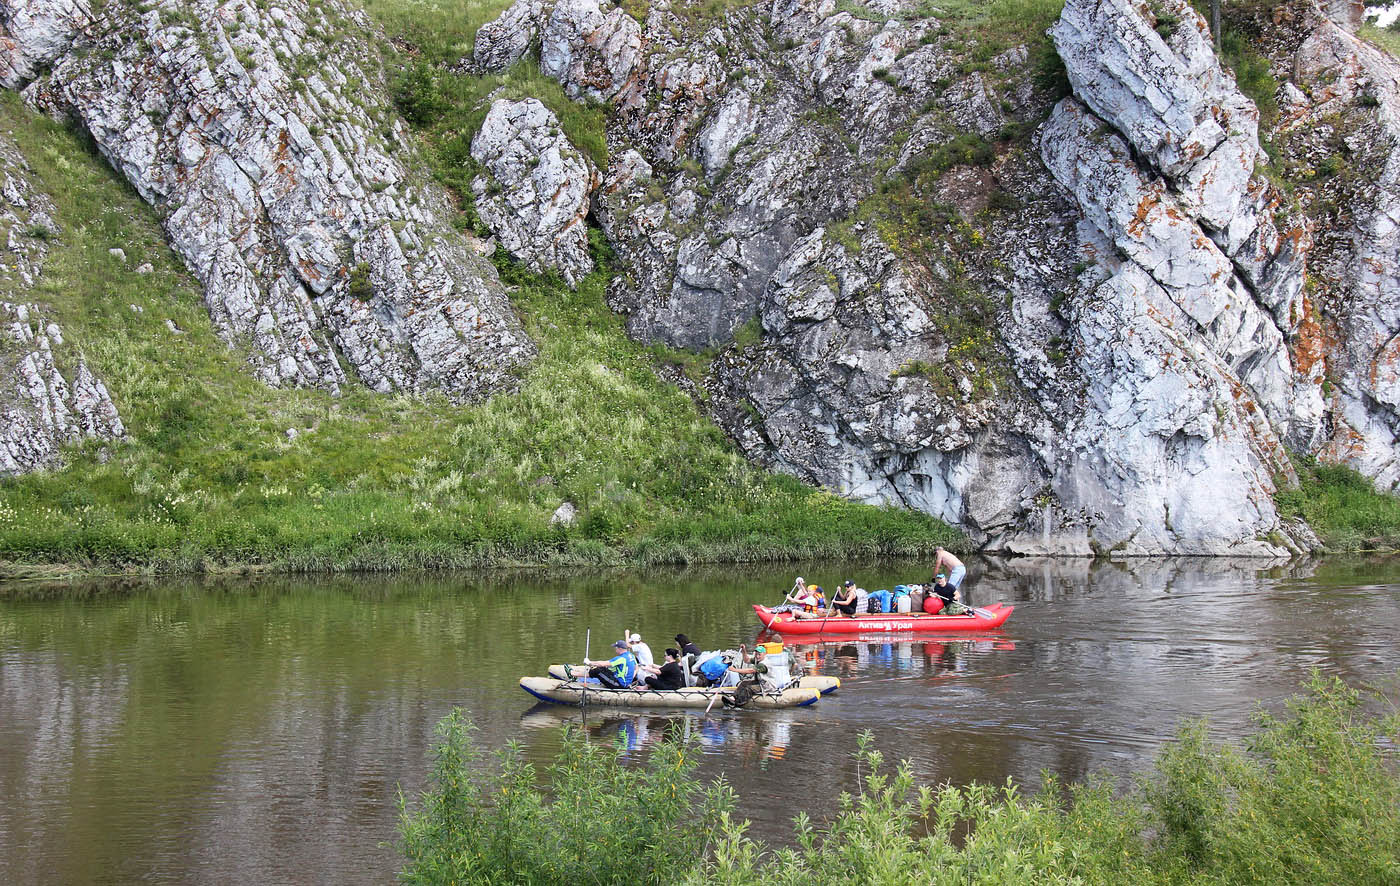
(971, 610)
(716, 696)
(583, 693)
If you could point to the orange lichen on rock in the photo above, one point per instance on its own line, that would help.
(1308, 345)
(1139, 220)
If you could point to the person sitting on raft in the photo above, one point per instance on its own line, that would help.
(669, 675)
(615, 673)
(798, 599)
(944, 590)
(687, 647)
(846, 599)
(640, 649)
(815, 607)
(751, 678)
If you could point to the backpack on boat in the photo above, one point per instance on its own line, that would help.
(713, 668)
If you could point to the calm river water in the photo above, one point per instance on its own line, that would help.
(235, 732)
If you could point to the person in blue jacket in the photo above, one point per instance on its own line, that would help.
(618, 671)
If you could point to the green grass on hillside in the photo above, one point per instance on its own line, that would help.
(209, 479)
(1387, 38)
(450, 106)
(1342, 507)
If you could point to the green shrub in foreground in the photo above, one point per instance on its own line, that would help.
(606, 823)
(1313, 797)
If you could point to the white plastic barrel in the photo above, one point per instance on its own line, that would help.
(902, 603)
(779, 670)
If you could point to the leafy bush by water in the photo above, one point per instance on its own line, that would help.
(602, 822)
(1342, 507)
(1312, 797)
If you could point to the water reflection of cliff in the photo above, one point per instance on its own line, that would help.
(263, 728)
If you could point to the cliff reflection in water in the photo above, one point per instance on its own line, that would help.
(263, 729)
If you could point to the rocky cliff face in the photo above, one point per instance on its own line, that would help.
(1074, 320)
(48, 395)
(1102, 340)
(264, 137)
(1338, 139)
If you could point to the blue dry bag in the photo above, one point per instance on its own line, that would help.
(714, 668)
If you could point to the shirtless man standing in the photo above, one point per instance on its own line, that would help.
(944, 561)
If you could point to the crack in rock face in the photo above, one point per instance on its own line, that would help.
(279, 187)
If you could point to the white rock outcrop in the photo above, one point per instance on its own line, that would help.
(503, 41)
(1134, 380)
(591, 53)
(282, 184)
(535, 193)
(1351, 111)
(48, 395)
(35, 32)
(40, 408)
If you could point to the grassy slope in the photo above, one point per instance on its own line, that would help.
(209, 478)
(1343, 508)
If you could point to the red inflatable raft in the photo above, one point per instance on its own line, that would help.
(984, 618)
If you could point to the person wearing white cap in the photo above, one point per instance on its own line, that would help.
(641, 650)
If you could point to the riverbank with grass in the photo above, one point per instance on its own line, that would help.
(1342, 507)
(220, 473)
(1312, 796)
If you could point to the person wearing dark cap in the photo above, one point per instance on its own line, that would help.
(618, 671)
(687, 647)
(845, 599)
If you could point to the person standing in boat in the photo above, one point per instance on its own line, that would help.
(945, 562)
(669, 675)
(618, 671)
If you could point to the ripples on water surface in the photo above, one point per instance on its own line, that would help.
(237, 732)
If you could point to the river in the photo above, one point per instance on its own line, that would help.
(233, 731)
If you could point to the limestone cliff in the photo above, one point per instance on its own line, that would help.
(1098, 339)
(264, 136)
(1079, 309)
